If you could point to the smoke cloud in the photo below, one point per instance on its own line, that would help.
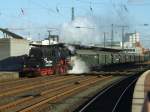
(90, 29)
(79, 66)
(86, 34)
(71, 48)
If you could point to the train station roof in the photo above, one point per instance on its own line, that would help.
(52, 45)
(80, 47)
(95, 48)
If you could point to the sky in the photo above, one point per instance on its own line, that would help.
(34, 17)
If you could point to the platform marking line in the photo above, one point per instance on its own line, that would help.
(122, 95)
(105, 90)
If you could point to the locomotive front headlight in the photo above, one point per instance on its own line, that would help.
(50, 61)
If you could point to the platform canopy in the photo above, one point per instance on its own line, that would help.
(95, 48)
(80, 47)
(52, 45)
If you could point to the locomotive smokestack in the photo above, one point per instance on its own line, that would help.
(71, 49)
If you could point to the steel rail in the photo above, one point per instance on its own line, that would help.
(27, 83)
(101, 93)
(123, 94)
(24, 79)
(30, 108)
(11, 104)
(51, 94)
(32, 87)
(36, 90)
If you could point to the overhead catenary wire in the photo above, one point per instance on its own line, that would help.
(43, 6)
(22, 13)
(138, 2)
(91, 1)
(120, 14)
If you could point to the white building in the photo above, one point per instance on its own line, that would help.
(132, 43)
(131, 39)
(52, 39)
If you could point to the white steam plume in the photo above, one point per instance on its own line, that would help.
(71, 48)
(87, 33)
(79, 66)
(90, 29)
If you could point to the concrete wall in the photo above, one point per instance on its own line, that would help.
(8, 76)
(13, 47)
(19, 47)
(4, 48)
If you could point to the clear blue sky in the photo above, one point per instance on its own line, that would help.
(51, 13)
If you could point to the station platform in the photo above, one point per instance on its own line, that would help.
(7, 76)
(141, 95)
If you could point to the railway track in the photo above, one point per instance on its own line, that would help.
(115, 98)
(24, 82)
(33, 89)
(28, 97)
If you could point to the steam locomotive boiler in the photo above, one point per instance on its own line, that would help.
(47, 60)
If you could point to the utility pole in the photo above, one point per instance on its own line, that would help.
(49, 33)
(123, 31)
(112, 34)
(49, 36)
(72, 14)
(104, 39)
(29, 35)
(123, 37)
(105, 46)
(39, 35)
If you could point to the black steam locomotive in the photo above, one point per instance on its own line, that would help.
(47, 60)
